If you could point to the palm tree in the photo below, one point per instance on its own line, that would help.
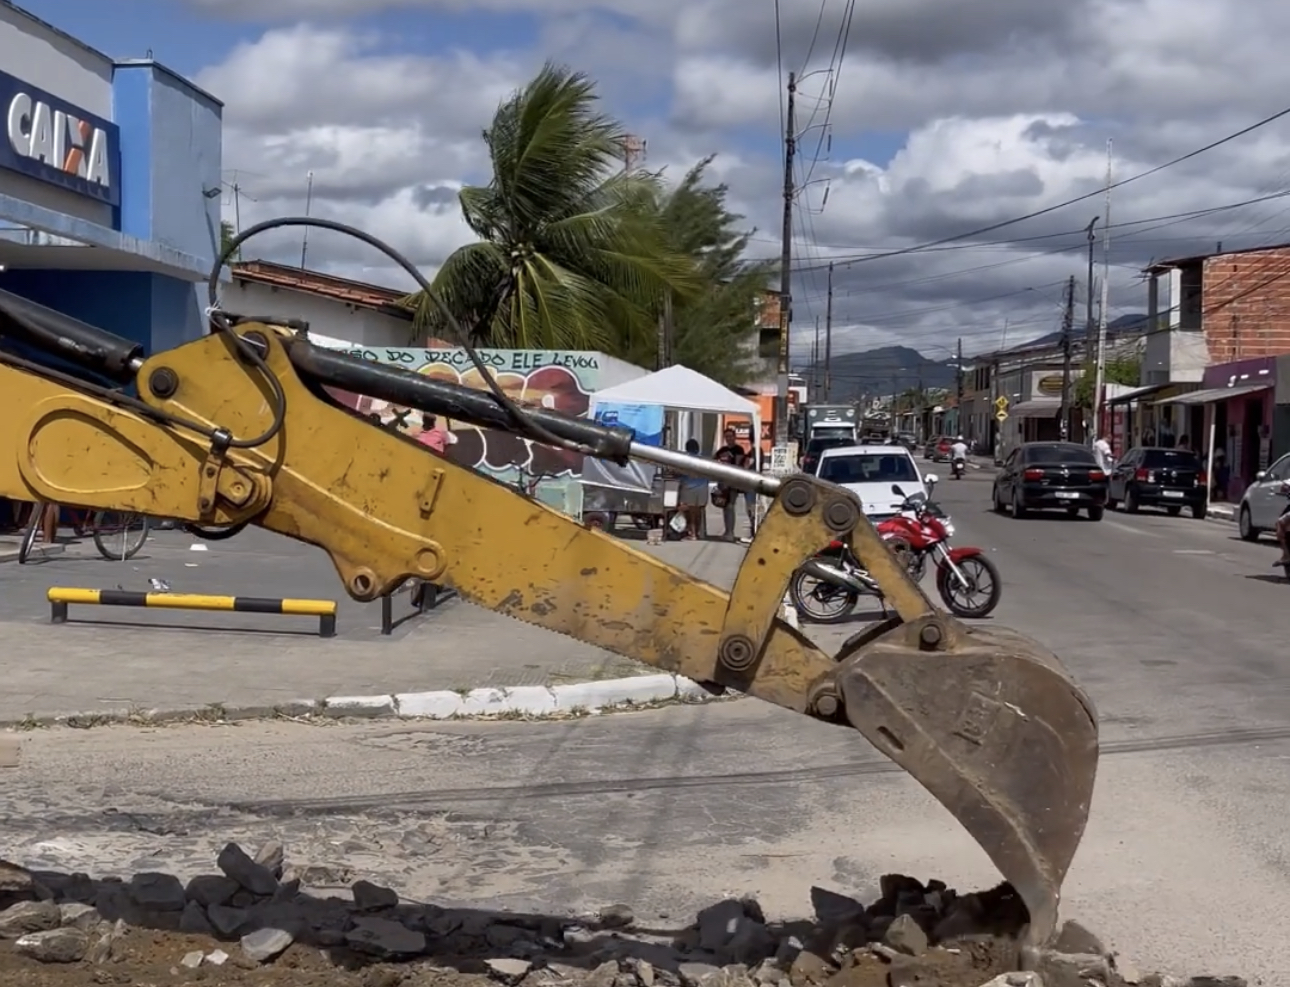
(713, 330)
(226, 236)
(569, 256)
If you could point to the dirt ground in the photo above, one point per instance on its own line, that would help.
(145, 958)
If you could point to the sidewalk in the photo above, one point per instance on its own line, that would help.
(1221, 512)
(126, 661)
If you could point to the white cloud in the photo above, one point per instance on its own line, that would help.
(947, 117)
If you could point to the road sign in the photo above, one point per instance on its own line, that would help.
(1001, 415)
(1001, 403)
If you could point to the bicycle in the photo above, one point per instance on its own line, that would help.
(117, 535)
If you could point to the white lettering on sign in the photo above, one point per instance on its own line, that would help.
(59, 140)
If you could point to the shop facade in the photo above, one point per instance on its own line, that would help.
(109, 185)
(1230, 421)
(1034, 395)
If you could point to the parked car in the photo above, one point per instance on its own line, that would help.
(870, 472)
(937, 449)
(1151, 476)
(816, 446)
(1041, 476)
(1260, 504)
(906, 439)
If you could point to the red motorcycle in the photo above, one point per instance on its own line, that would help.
(827, 588)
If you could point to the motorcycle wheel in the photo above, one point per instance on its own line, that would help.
(820, 601)
(979, 598)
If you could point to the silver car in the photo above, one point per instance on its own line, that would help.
(1262, 502)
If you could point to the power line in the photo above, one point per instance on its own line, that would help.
(1169, 219)
(834, 73)
(815, 36)
(779, 63)
(1079, 198)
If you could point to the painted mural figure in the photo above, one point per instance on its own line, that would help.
(557, 381)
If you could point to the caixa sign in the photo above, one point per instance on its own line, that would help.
(48, 139)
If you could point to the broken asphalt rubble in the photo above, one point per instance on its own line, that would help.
(255, 913)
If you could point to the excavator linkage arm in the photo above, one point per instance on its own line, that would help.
(986, 720)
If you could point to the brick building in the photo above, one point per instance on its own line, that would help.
(1220, 321)
(1245, 304)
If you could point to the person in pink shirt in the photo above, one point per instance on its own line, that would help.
(435, 435)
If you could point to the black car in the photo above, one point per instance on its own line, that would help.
(1048, 476)
(1151, 476)
(816, 446)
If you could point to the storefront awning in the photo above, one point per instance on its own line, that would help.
(1214, 394)
(1138, 393)
(1035, 409)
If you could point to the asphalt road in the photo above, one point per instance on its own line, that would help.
(1169, 623)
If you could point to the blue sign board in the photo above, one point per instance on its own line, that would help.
(50, 140)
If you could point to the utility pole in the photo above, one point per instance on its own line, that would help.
(815, 364)
(918, 399)
(1091, 324)
(1068, 323)
(828, 340)
(665, 332)
(309, 203)
(786, 265)
(958, 383)
(1100, 358)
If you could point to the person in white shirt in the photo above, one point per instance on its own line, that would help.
(959, 450)
(1102, 451)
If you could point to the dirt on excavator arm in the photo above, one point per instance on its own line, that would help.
(985, 719)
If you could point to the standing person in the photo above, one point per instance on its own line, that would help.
(1102, 453)
(1222, 474)
(693, 497)
(731, 453)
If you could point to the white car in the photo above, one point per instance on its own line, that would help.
(870, 471)
(1262, 503)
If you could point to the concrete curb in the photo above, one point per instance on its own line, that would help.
(524, 700)
(1221, 515)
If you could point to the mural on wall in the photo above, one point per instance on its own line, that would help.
(559, 380)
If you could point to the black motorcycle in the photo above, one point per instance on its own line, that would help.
(957, 468)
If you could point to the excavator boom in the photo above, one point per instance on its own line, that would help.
(237, 428)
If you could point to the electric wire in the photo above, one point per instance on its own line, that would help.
(848, 259)
(220, 322)
(917, 248)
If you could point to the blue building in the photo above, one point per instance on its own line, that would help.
(109, 184)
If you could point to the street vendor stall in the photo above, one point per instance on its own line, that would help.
(647, 493)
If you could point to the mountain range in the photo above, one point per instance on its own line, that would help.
(896, 369)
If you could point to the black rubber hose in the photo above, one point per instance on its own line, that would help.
(95, 349)
(454, 401)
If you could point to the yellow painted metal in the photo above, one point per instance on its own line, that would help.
(192, 601)
(987, 721)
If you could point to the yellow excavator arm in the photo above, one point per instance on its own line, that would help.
(237, 428)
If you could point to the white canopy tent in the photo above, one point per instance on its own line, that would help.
(685, 390)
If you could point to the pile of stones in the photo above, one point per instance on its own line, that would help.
(257, 909)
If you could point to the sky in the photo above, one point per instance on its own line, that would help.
(917, 120)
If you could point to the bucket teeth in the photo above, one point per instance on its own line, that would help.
(999, 733)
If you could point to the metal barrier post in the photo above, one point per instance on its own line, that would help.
(60, 597)
(425, 596)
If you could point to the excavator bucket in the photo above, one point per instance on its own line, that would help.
(997, 731)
